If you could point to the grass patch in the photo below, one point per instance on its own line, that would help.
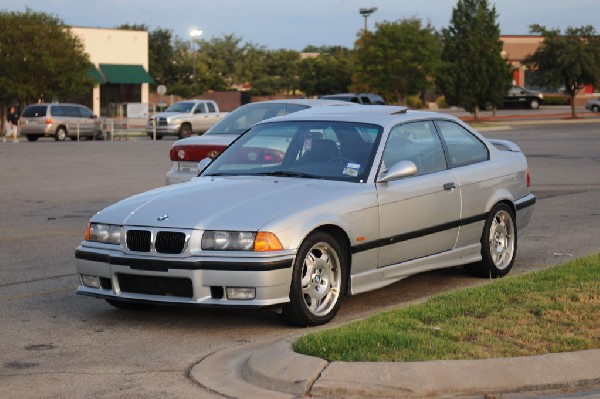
(550, 311)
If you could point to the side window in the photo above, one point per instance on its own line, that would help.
(211, 107)
(200, 109)
(417, 142)
(463, 147)
(85, 113)
(71, 111)
(57, 110)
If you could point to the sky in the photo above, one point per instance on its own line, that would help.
(295, 24)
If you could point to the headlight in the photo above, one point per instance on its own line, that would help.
(104, 233)
(215, 240)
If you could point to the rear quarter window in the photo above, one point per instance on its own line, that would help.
(463, 147)
(35, 111)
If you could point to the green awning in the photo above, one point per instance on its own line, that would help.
(122, 73)
(95, 74)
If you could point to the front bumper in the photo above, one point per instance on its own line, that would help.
(162, 130)
(199, 281)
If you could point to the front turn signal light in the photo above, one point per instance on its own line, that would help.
(266, 241)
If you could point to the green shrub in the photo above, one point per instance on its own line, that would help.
(414, 102)
(556, 100)
(441, 102)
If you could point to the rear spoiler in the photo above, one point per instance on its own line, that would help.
(505, 145)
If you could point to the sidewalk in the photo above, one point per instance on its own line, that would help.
(272, 370)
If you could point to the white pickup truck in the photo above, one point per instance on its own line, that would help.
(184, 118)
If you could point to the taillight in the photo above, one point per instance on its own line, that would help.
(194, 153)
(528, 178)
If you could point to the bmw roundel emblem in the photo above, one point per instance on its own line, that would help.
(162, 218)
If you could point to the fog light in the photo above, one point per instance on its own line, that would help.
(241, 293)
(90, 281)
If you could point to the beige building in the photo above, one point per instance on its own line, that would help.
(120, 58)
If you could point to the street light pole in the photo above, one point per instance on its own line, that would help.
(366, 13)
(193, 34)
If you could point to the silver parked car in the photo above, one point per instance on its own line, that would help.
(304, 209)
(593, 105)
(59, 120)
(186, 153)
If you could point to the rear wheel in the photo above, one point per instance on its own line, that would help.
(498, 244)
(185, 131)
(595, 108)
(31, 137)
(318, 281)
(61, 134)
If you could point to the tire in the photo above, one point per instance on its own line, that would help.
(185, 131)
(61, 134)
(318, 282)
(31, 137)
(128, 305)
(534, 103)
(498, 244)
(595, 108)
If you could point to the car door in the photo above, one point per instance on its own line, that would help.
(87, 120)
(468, 157)
(419, 215)
(200, 121)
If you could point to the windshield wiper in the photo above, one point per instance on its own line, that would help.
(221, 174)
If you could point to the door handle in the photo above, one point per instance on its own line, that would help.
(449, 186)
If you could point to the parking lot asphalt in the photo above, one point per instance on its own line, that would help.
(103, 353)
(273, 370)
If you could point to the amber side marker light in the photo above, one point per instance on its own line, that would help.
(87, 232)
(266, 241)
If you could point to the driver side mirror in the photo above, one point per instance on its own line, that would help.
(399, 171)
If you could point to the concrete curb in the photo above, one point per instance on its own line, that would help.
(273, 370)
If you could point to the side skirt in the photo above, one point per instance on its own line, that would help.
(374, 279)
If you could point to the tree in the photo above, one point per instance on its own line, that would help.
(328, 73)
(473, 72)
(397, 59)
(571, 60)
(280, 73)
(40, 59)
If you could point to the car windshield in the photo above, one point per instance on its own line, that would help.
(246, 116)
(180, 107)
(321, 150)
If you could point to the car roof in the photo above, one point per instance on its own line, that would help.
(309, 102)
(380, 114)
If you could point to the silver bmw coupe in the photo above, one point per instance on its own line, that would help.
(307, 208)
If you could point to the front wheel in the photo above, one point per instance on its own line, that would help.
(498, 244)
(318, 281)
(595, 108)
(534, 104)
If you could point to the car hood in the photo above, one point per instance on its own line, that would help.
(225, 203)
(207, 139)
